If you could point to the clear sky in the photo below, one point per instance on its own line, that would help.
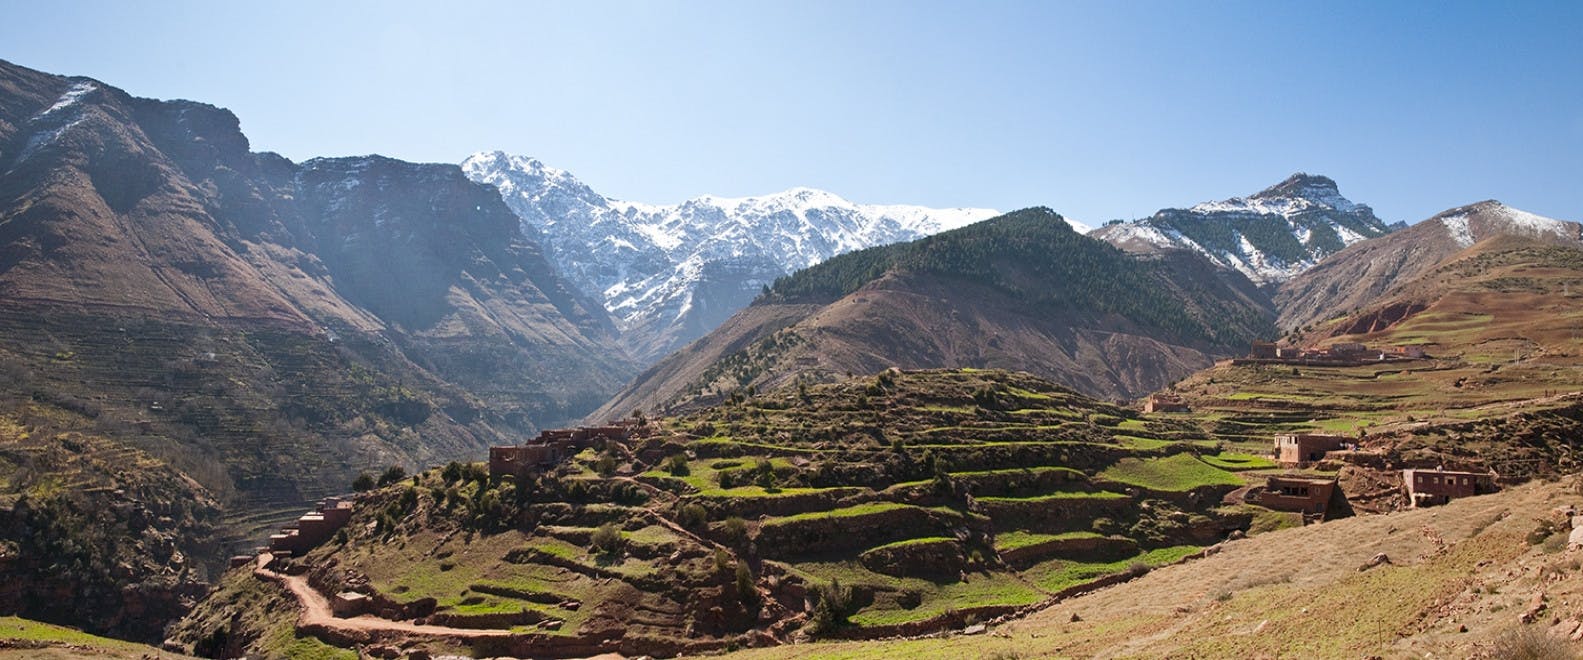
(1099, 110)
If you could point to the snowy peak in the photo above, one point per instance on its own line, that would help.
(670, 273)
(1466, 225)
(1299, 193)
(1270, 236)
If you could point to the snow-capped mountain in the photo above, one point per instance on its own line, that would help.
(1270, 236)
(670, 274)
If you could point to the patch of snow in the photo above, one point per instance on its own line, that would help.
(1535, 223)
(1348, 237)
(71, 97)
(1457, 227)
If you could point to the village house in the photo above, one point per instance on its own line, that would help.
(522, 460)
(1299, 450)
(553, 446)
(1416, 352)
(1263, 350)
(313, 528)
(1438, 486)
(1289, 493)
(1347, 348)
(1164, 403)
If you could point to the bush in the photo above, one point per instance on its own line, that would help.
(1137, 569)
(363, 483)
(736, 530)
(606, 465)
(832, 609)
(745, 588)
(1529, 643)
(392, 475)
(677, 465)
(607, 539)
(692, 516)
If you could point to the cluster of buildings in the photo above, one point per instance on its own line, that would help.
(554, 446)
(313, 528)
(1337, 353)
(1317, 496)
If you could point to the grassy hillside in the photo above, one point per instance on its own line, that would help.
(905, 501)
(22, 638)
(1487, 577)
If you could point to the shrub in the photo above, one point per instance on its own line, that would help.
(392, 475)
(745, 588)
(736, 529)
(363, 483)
(692, 516)
(677, 465)
(1137, 569)
(832, 608)
(606, 465)
(607, 539)
(1529, 643)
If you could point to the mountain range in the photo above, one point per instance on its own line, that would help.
(671, 273)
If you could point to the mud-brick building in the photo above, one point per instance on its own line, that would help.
(1164, 403)
(553, 446)
(1433, 487)
(527, 459)
(1300, 450)
(1306, 495)
(313, 528)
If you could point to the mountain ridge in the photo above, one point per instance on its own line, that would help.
(1269, 236)
(1022, 290)
(671, 273)
(1370, 270)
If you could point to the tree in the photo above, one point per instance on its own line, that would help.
(745, 588)
(606, 540)
(363, 483)
(394, 474)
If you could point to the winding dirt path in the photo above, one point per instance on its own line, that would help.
(316, 611)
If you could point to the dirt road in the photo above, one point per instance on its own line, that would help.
(316, 611)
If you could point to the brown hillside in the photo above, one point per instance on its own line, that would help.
(945, 314)
(1366, 272)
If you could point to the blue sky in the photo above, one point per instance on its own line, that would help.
(1099, 110)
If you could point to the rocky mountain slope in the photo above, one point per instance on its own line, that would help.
(670, 274)
(1270, 236)
(1368, 271)
(1022, 291)
(264, 327)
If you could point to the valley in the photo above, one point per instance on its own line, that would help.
(365, 407)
